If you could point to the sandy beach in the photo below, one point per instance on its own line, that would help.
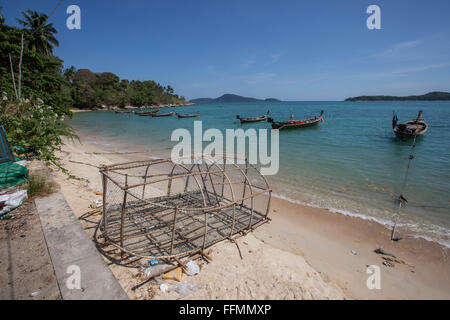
(303, 253)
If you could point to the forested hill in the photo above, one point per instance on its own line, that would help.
(431, 96)
(89, 89)
(231, 98)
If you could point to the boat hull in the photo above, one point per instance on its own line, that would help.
(162, 114)
(252, 120)
(293, 125)
(187, 115)
(297, 124)
(255, 119)
(404, 132)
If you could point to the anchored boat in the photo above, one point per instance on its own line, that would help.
(409, 129)
(193, 115)
(256, 119)
(162, 114)
(296, 123)
(147, 113)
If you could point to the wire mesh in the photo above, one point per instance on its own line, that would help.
(171, 208)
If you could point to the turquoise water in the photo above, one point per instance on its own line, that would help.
(352, 163)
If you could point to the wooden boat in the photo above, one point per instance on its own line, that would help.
(256, 119)
(296, 123)
(193, 115)
(146, 113)
(409, 129)
(162, 114)
(123, 111)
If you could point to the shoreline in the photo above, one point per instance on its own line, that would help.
(160, 151)
(112, 108)
(326, 241)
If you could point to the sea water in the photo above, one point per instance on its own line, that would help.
(352, 163)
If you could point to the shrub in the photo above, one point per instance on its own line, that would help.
(35, 126)
(40, 185)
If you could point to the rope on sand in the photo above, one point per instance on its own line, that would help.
(401, 199)
(87, 164)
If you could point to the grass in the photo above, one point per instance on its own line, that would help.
(40, 185)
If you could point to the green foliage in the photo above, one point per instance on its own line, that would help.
(2, 19)
(431, 96)
(89, 89)
(41, 75)
(35, 126)
(40, 35)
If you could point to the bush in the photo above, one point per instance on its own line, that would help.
(35, 126)
(40, 185)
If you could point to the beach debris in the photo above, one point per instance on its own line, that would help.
(192, 268)
(163, 287)
(381, 251)
(353, 252)
(153, 262)
(237, 245)
(396, 260)
(175, 274)
(6, 217)
(10, 201)
(388, 264)
(99, 193)
(154, 270)
(185, 289)
(96, 213)
(35, 293)
(96, 204)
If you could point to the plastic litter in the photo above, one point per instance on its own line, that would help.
(12, 174)
(153, 262)
(185, 288)
(35, 293)
(96, 204)
(152, 270)
(96, 213)
(175, 274)
(192, 268)
(163, 287)
(12, 200)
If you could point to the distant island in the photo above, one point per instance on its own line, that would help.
(431, 96)
(232, 98)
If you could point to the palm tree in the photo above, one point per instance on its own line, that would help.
(69, 73)
(2, 18)
(40, 35)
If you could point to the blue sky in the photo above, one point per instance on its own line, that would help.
(287, 49)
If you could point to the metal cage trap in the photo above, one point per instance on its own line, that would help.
(167, 209)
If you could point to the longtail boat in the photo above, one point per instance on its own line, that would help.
(296, 123)
(162, 114)
(193, 115)
(409, 129)
(146, 113)
(256, 119)
(123, 111)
